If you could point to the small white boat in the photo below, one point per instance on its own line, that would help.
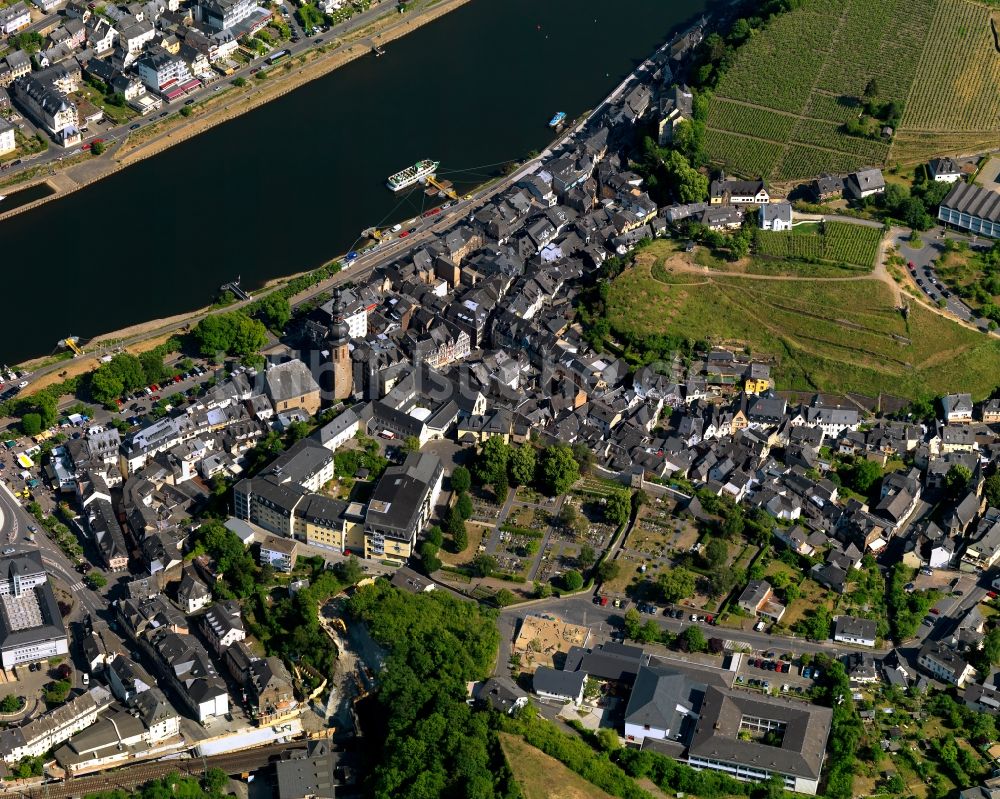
(3, 197)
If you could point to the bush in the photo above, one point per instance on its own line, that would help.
(572, 580)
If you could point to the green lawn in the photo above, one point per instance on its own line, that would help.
(830, 336)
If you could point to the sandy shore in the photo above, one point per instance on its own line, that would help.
(232, 103)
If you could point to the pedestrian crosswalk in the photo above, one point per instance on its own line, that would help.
(77, 586)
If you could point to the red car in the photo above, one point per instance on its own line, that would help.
(935, 611)
(404, 234)
(604, 601)
(154, 387)
(432, 212)
(177, 378)
(912, 266)
(992, 594)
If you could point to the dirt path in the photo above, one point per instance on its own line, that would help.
(881, 270)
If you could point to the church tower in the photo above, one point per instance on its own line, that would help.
(343, 369)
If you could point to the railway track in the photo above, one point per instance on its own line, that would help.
(130, 777)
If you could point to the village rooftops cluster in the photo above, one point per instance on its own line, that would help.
(151, 53)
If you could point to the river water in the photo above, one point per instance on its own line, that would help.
(290, 185)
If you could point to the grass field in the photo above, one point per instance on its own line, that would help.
(840, 335)
(542, 777)
(778, 112)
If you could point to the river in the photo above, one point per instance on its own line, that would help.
(290, 185)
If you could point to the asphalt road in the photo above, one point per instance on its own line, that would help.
(923, 261)
(605, 622)
(114, 133)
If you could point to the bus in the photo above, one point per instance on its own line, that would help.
(274, 58)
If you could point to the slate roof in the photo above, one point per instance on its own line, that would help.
(803, 747)
(974, 201)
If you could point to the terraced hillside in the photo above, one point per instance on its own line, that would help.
(829, 334)
(780, 111)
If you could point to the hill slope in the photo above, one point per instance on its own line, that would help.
(780, 111)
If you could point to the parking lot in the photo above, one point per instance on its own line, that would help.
(776, 673)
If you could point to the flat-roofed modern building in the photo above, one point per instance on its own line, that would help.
(972, 208)
(31, 626)
(786, 738)
(401, 505)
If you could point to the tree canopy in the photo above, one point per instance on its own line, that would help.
(232, 333)
(558, 470)
(437, 644)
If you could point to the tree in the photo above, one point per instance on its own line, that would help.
(583, 454)
(97, 148)
(492, 460)
(608, 740)
(232, 333)
(186, 111)
(461, 480)
(734, 524)
(693, 639)
(633, 623)
(607, 570)
(435, 535)
(522, 465)
(872, 89)
(618, 507)
(464, 506)
(558, 470)
(485, 565)
(31, 424)
(957, 478)
(10, 704)
(56, 692)
(348, 571)
(96, 580)
(410, 444)
(716, 553)
(503, 598)
(991, 489)
(676, 584)
(567, 514)
(688, 184)
(572, 580)
(129, 370)
(296, 431)
(429, 560)
(861, 475)
(501, 486)
(459, 538)
(105, 385)
(991, 647)
(586, 557)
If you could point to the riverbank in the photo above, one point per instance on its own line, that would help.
(84, 170)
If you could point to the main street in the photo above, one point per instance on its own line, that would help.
(607, 622)
(386, 252)
(118, 133)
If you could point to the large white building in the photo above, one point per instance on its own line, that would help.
(7, 143)
(49, 108)
(39, 736)
(14, 18)
(161, 71)
(223, 14)
(709, 726)
(31, 626)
